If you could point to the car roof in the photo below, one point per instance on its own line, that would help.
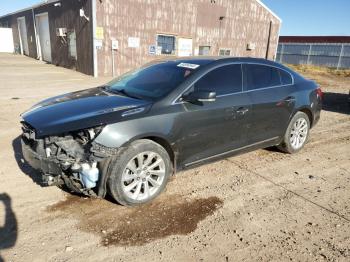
(217, 60)
(203, 60)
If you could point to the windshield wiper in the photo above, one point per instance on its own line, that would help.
(105, 88)
(122, 92)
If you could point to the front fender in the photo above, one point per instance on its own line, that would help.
(122, 133)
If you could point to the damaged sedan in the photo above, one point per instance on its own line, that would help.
(128, 137)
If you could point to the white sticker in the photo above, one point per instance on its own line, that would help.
(134, 42)
(187, 65)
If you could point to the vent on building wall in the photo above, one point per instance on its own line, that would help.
(251, 46)
(62, 31)
(82, 14)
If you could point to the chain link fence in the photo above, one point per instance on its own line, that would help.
(329, 55)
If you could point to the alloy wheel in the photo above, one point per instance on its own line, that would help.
(299, 133)
(143, 175)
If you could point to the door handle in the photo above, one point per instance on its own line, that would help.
(289, 99)
(242, 110)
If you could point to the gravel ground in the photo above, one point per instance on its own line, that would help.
(260, 206)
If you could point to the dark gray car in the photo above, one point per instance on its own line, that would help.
(129, 136)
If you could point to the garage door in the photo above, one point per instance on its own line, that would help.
(43, 30)
(22, 31)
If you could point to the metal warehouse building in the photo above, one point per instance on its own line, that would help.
(330, 51)
(102, 37)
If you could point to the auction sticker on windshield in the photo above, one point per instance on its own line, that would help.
(187, 65)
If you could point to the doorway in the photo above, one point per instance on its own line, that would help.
(43, 30)
(22, 32)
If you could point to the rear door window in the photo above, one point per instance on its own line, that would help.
(261, 76)
(223, 80)
(286, 78)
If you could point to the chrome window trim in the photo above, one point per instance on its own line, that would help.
(176, 102)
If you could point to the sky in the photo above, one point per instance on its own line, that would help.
(312, 17)
(300, 17)
(8, 6)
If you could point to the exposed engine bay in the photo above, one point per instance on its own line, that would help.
(72, 159)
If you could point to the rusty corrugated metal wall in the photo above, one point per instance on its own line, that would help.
(11, 21)
(245, 21)
(67, 16)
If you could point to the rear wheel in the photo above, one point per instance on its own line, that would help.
(297, 134)
(140, 173)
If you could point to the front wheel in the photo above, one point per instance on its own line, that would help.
(296, 134)
(140, 173)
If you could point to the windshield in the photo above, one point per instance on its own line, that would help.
(153, 81)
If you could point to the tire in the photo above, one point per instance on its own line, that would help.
(131, 183)
(300, 126)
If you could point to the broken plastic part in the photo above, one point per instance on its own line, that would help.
(89, 175)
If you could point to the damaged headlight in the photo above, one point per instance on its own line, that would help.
(89, 134)
(72, 147)
(94, 132)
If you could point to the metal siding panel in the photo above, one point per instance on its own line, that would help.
(278, 57)
(345, 62)
(346, 50)
(244, 22)
(67, 15)
(296, 49)
(326, 50)
(279, 48)
(12, 22)
(294, 59)
(314, 39)
(321, 54)
(328, 61)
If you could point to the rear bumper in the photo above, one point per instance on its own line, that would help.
(38, 162)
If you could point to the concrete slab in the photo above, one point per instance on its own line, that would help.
(23, 77)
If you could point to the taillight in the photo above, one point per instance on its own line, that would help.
(319, 92)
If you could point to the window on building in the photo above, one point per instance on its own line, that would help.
(261, 76)
(72, 44)
(224, 52)
(223, 80)
(204, 50)
(167, 42)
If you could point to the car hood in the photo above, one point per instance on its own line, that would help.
(79, 110)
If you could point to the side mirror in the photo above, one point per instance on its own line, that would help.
(200, 96)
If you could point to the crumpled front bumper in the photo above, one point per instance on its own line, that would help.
(38, 162)
(52, 173)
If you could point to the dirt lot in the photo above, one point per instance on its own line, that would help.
(261, 206)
